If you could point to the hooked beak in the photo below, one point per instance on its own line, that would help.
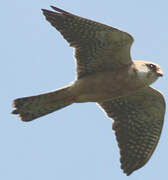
(159, 73)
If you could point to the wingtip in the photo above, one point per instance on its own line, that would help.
(128, 170)
(43, 9)
(128, 173)
(56, 9)
(47, 11)
(59, 10)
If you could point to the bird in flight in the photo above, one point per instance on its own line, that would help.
(106, 75)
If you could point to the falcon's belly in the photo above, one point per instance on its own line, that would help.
(105, 86)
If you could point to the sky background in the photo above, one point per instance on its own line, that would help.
(77, 142)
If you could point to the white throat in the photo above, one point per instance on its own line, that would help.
(142, 70)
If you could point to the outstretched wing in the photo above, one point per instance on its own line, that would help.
(98, 47)
(138, 121)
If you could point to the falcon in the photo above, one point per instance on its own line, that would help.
(106, 75)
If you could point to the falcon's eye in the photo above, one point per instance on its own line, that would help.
(152, 67)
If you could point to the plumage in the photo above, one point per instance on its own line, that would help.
(107, 75)
(138, 124)
(96, 45)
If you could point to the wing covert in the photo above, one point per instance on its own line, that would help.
(98, 47)
(138, 121)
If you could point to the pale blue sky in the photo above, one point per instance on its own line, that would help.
(75, 143)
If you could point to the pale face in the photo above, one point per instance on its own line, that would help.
(148, 72)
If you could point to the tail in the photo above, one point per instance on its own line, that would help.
(30, 108)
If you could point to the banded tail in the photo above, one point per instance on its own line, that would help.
(30, 108)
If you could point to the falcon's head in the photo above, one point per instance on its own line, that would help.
(148, 72)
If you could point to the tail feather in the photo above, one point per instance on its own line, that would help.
(30, 108)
